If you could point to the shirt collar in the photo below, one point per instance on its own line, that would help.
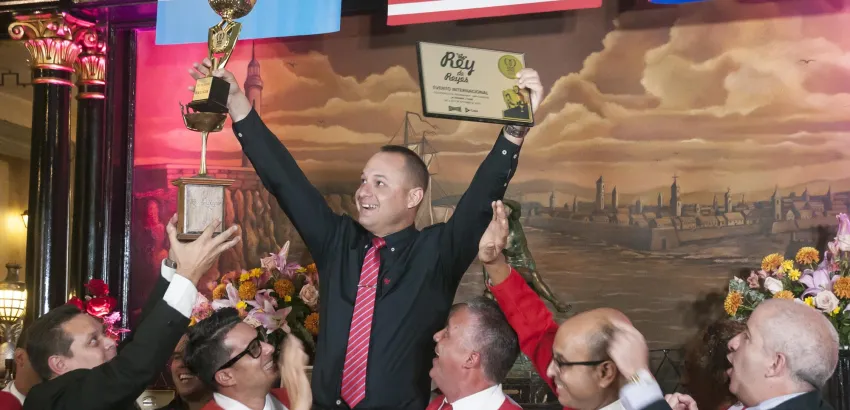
(398, 239)
(15, 392)
(226, 403)
(613, 406)
(490, 398)
(771, 403)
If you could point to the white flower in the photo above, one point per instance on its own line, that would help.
(773, 285)
(252, 321)
(826, 301)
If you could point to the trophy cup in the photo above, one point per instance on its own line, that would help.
(201, 198)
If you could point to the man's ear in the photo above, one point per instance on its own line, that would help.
(472, 361)
(608, 374)
(779, 365)
(414, 197)
(20, 358)
(224, 378)
(58, 364)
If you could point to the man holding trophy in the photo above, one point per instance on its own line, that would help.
(385, 286)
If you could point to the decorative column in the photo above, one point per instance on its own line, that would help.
(86, 256)
(49, 38)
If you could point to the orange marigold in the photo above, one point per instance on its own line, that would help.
(284, 287)
(733, 302)
(807, 255)
(772, 262)
(220, 291)
(311, 269)
(841, 288)
(247, 290)
(312, 323)
(783, 294)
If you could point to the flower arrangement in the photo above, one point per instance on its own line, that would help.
(100, 305)
(823, 284)
(280, 296)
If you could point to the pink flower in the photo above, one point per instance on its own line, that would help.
(276, 261)
(231, 301)
(202, 308)
(763, 274)
(310, 295)
(843, 235)
(753, 280)
(272, 320)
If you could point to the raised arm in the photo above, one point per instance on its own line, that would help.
(473, 212)
(278, 171)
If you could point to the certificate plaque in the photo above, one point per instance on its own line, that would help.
(472, 84)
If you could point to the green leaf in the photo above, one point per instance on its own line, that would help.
(737, 285)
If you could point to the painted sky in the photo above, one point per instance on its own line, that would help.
(722, 93)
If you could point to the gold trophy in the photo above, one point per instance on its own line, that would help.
(200, 198)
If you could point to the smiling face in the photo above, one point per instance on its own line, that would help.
(186, 383)
(248, 374)
(386, 200)
(453, 352)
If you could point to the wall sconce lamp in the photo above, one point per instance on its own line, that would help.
(26, 217)
(13, 305)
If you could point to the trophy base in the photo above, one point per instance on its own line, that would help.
(200, 200)
(210, 95)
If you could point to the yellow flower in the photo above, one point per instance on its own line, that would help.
(220, 291)
(783, 294)
(810, 301)
(193, 321)
(807, 256)
(733, 302)
(312, 323)
(794, 274)
(287, 298)
(256, 272)
(245, 276)
(241, 305)
(284, 287)
(247, 290)
(835, 311)
(787, 266)
(841, 288)
(771, 262)
(301, 270)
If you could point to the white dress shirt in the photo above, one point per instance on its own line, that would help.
(181, 293)
(613, 406)
(771, 403)
(490, 398)
(14, 390)
(226, 403)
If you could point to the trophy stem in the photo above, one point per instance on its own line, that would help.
(203, 170)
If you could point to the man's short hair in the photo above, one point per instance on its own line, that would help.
(598, 341)
(205, 351)
(415, 165)
(493, 337)
(806, 338)
(47, 338)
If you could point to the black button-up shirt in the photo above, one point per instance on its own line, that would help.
(420, 272)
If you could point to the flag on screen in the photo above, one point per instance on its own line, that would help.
(187, 21)
(401, 12)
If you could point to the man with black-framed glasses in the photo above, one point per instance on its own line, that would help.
(572, 358)
(234, 360)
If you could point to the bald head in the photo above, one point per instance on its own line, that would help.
(591, 329)
(804, 335)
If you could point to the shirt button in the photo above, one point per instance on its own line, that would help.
(504, 152)
(240, 135)
(366, 247)
(392, 249)
(506, 184)
(338, 402)
(514, 156)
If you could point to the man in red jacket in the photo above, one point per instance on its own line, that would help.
(572, 358)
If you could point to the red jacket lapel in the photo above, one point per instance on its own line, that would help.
(279, 394)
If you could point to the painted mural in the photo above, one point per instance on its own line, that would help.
(675, 148)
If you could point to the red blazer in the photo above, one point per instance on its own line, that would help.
(279, 394)
(507, 405)
(9, 402)
(531, 320)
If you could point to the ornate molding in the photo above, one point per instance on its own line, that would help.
(50, 40)
(91, 64)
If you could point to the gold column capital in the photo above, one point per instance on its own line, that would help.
(91, 63)
(49, 38)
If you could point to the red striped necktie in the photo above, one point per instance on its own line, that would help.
(357, 353)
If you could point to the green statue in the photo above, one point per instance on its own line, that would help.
(517, 254)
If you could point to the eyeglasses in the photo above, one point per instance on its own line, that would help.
(561, 363)
(254, 349)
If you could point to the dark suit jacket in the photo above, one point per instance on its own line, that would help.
(116, 384)
(808, 401)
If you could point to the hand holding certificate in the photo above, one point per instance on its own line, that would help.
(477, 85)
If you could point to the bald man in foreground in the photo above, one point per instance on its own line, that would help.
(780, 362)
(571, 358)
